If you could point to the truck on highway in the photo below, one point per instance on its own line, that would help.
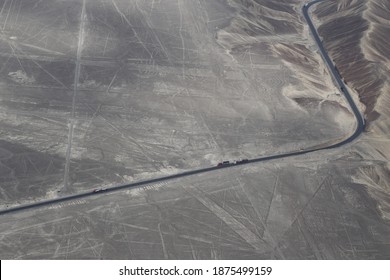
(99, 190)
(223, 163)
(245, 160)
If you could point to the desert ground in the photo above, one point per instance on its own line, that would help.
(101, 93)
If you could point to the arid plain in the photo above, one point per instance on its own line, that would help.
(100, 93)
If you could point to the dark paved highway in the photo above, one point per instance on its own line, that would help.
(359, 129)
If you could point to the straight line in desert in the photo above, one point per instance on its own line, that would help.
(75, 89)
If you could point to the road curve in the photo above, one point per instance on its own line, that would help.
(359, 129)
(358, 116)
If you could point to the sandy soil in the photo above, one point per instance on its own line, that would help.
(116, 91)
(226, 79)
